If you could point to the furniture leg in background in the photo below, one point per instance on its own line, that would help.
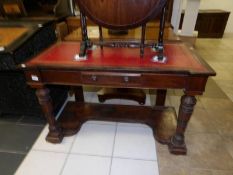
(79, 97)
(161, 97)
(122, 93)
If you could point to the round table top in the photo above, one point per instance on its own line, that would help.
(121, 14)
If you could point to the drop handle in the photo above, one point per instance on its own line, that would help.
(126, 79)
(94, 77)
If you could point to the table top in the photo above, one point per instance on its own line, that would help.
(10, 34)
(180, 59)
(121, 14)
(13, 33)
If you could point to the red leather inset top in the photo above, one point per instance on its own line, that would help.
(179, 58)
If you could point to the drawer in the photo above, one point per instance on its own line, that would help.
(164, 81)
(111, 79)
(58, 77)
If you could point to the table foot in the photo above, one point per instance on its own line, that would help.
(55, 136)
(177, 146)
(178, 150)
(177, 143)
(69, 129)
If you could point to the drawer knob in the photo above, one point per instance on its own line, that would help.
(126, 79)
(94, 77)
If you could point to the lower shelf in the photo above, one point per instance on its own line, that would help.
(162, 120)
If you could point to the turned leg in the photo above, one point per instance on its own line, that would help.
(55, 134)
(177, 144)
(78, 90)
(161, 97)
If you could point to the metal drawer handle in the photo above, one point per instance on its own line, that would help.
(126, 79)
(94, 77)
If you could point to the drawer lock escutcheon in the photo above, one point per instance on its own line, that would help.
(126, 79)
(94, 77)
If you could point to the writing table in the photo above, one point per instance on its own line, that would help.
(121, 68)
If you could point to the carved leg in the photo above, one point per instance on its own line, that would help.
(55, 134)
(177, 145)
(161, 97)
(79, 94)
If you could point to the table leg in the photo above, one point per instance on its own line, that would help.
(78, 90)
(177, 144)
(55, 133)
(161, 97)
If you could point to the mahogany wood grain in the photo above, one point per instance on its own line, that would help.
(55, 134)
(114, 14)
(121, 68)
(177, 144)
(161, 119)
(152, 30)
(122, 15)
(148, 31)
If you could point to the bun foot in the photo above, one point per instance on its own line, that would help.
(55, 137)
(177, 146)
(178, 150)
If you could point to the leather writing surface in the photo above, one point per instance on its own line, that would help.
(62, 54)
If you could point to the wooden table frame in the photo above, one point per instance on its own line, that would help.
(168, 128)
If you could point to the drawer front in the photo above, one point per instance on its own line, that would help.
(111, 79)
(58, 77)
(32, 76)
(164, 81)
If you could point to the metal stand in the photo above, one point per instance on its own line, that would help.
(85, 44)
(160, 47)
